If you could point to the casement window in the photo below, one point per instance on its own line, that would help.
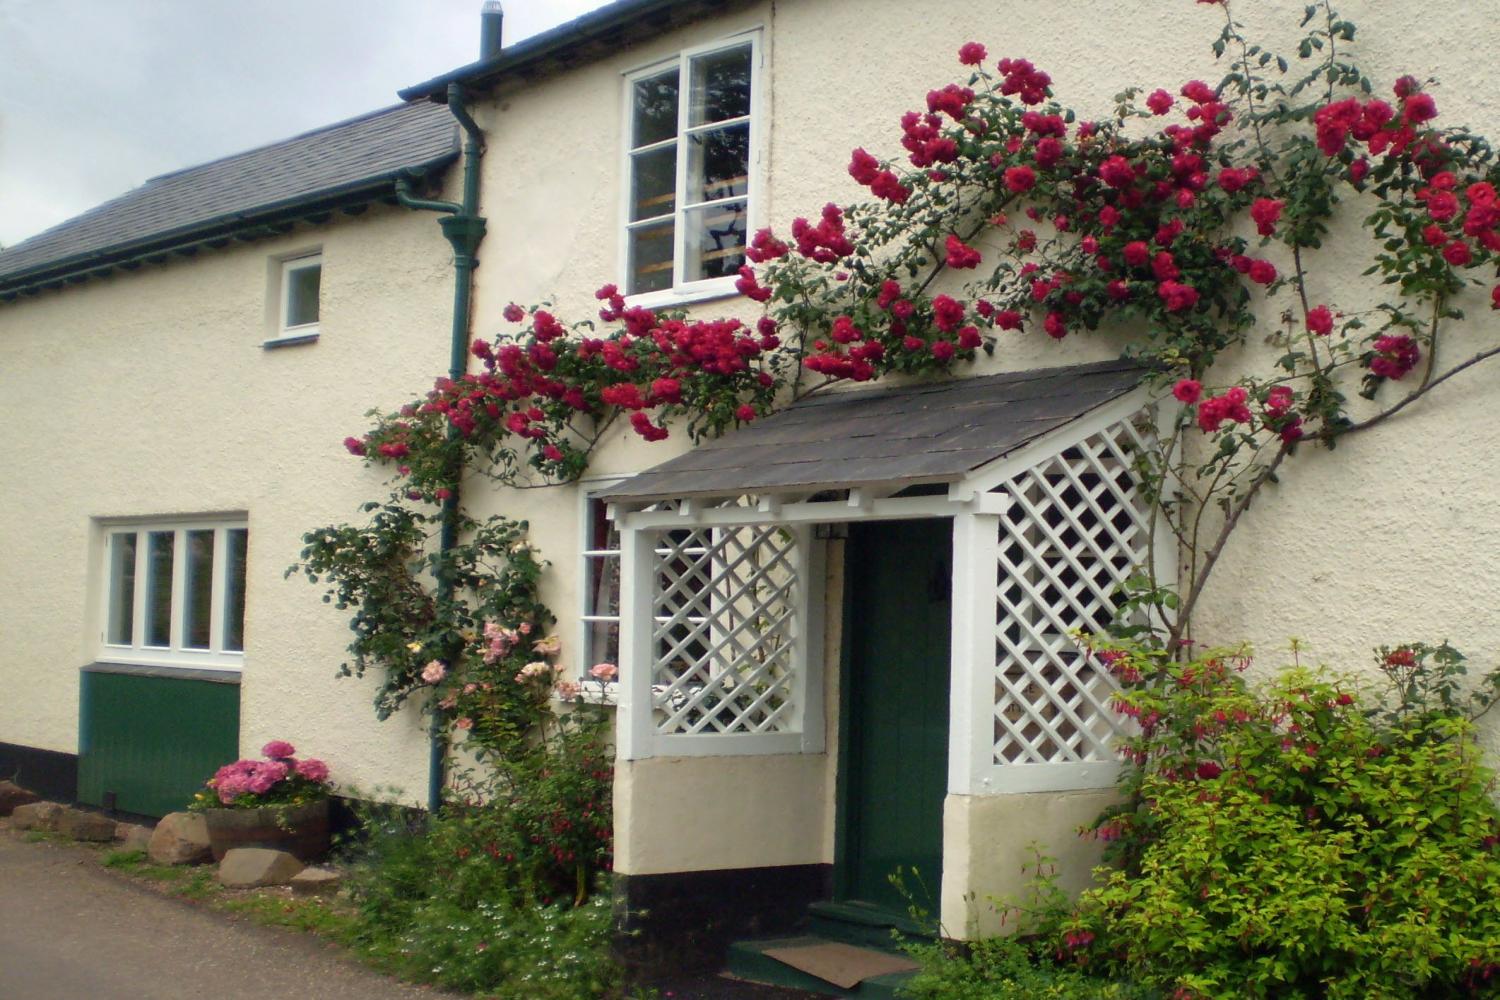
(691, 141)
(174, 593)
(299, 293)
(601, 585)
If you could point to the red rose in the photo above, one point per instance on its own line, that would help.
(1160, 102)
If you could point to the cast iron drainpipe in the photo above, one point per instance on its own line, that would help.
(463, 227)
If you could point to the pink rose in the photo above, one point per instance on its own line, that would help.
(277, 749)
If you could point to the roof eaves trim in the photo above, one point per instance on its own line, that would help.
(227, 225)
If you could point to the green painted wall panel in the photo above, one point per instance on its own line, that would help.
(152, 741)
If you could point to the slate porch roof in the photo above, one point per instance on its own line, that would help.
(357, 158)
(929, 433)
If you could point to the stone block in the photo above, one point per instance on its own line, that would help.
(181, 838)
(315, 882)
(133, 836)
(248, 867)
(81, 825)
(13, 795)
(36, 816)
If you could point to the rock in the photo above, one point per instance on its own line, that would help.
(315, 882)
(80, 825)
(36, 816)
(247, 867)
(181, 838)
(13, 795)
(133, 836)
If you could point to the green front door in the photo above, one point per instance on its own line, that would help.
(895, 728)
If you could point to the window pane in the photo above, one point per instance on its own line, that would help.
(199, 591)
(651, 257)
(159, 548)
(721, 86)
(715, 241)
(604, 534)
(654, 184)
(603, 644)
(234, 589)
(302, 294)
(655, 110)
(121, 626)
(718, 164)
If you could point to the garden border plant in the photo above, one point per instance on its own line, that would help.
(1171, 225)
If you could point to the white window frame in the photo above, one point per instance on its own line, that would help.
(588, 556)
(681, 291)
(177, 653)
(302, 331)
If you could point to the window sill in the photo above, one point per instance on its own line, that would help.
(291, 340)
(668, 298)
(216, 675)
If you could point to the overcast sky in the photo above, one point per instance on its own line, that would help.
(97, 96)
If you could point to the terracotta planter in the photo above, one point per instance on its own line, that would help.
(300, 830)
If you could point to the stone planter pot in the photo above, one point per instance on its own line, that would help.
(300, 830)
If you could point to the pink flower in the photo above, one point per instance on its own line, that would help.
(1177, 296)
(277, 749)
(1019, 179)
(604, 671)
(1160, 102)
(1395, 355)
(1188, 390)
(514, 313)
(1266, 212)
(972, 54)
(567, 690)
(434, 671)
(1320, 320)
(960, 254)
(313, 769)
(464, 723)
(1262, 272)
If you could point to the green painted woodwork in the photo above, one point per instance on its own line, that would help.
(895, 732)
(152, 740)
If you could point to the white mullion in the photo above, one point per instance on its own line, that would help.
(653, 147)
(655, 220)
(725, 123)
(138, 611)
(714, 202)
(218, 590)
(176, 618)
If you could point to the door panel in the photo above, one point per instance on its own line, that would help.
(896, 742)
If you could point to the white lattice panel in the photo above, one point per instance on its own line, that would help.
(1075, 528)
(726, 606)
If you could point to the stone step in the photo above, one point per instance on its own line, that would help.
(748, 960)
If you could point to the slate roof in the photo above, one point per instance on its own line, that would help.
(924, 433)
(332, 165)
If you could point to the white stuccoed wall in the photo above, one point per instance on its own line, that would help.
(148, 394)
(1388, 539)
(1383, 542)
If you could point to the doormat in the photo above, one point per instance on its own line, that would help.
(843, 965)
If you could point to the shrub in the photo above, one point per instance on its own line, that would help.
(1294, 839)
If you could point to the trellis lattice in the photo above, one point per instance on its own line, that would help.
(725, 621)
(1075, 528)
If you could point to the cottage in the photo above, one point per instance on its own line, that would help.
(844, 632)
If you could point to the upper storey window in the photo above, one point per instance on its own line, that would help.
(689, 181)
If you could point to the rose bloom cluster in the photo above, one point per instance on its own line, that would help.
(280, 772)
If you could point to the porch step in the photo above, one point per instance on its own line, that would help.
(748, 960)
(863, 924)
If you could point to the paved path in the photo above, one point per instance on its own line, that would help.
(71, 931)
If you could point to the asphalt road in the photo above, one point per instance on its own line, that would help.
(71, 931)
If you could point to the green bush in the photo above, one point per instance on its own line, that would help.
(1003, 969)
(1286, 840)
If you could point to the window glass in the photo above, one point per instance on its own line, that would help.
(159, 551)
(655, 101)
(721, 86)
(651, 257)
(120, 629)
(719, 164)
(198, 594)
(715, 240)
(302, 294)
(234, 589)
(655, 190)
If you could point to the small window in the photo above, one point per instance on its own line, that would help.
(175, 592)
(601, 583)
(301, 279)
(690, 165)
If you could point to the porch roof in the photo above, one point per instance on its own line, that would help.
(929, 433)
